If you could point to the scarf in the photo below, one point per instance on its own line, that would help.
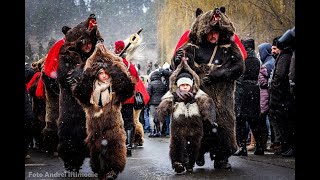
(185, 96)
(101, 89)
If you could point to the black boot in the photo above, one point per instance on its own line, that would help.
(242, 151)
(259, 148)
(222, 164)
(129, 142)
(200, 160)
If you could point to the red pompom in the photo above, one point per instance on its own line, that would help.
(118, 46)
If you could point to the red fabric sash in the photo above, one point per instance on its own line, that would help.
(139, 87)
(52, 60)
(32, 80)
(40, 89)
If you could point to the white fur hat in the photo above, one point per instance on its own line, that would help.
(184, 78)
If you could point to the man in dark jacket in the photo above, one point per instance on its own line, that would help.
(213, 53)
(281, 100)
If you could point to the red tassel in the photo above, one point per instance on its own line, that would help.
(52, 60)
(40, 89)
(240, 46)
(184, 38)
(32, 80)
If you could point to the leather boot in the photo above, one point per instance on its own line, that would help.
(129, 142)
(252, 144)
(259, 150)
(222, 164)
(242, 151)
(259, 145)
(200, 160)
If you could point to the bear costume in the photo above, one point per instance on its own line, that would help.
(71, 121)
(106, 136)
(38, 104)
(49, 88)
(218, 66)
(187, 114)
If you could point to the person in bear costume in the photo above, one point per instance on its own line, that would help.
(48, 89)
(212, 52)
(130, 114)
(79, 44)
(104, 86)
(188, 106)
(38, 104)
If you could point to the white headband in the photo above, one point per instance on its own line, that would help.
(184, 80)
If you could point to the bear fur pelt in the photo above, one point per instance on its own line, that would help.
(51, 93)
(106, 137)
(138, 139)
(217, 77)
(71, 121)
(187, 118)
(38, 105)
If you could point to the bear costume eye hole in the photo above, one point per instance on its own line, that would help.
(85, 41)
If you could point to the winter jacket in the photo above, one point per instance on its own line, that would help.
(280, 87)
(247, 94)
(266, 57)
(264, 93)
(156, 88)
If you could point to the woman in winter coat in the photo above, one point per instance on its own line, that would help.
(188, 108)
(105, 85)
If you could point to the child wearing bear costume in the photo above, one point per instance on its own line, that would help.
(188, 106)
(105, 85)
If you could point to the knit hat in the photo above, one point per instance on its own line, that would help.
(275, 40)
(249, 43)
(184, 78)
(118, 46)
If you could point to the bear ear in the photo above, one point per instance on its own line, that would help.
(198, 12)
(65, 29)
(223, 9)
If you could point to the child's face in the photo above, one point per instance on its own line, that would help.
(185, 87)
(103, 75)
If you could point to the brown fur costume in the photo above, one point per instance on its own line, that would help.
(186, 121)
(71, 122)
(51, 92)
(138, 139)
(217, 79)
(38, 107)
(105, 130)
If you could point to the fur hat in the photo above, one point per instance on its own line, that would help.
(213, 20)
(184, 78)
(249, 43)
(118, 46)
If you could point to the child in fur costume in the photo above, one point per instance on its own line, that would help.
(188, 106)
(104, 86)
